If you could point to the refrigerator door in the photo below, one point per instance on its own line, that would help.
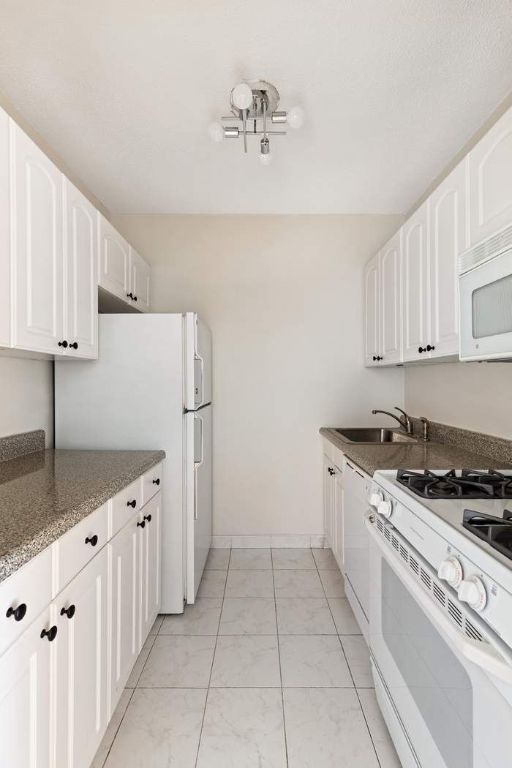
(198, 431)
(198, 353)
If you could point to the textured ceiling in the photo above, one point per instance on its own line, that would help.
(124, 90)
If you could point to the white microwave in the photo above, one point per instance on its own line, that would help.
(485, 293)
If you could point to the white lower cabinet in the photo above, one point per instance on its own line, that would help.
(150, 581)
(328, 502)
(333, 507)
(339, 519)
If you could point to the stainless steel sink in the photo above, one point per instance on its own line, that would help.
(377, 435)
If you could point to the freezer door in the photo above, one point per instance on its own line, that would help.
(199, 495)
(198, 351)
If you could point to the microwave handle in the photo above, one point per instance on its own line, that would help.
(482, 655)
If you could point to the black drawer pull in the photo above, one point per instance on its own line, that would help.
(156, 481)
(18, 612)
(141, 524)
(74, 345)
(132, 503)
(129, 295)
(92, 540)
(69, 612)
(51, 634)
(148, 518)
(63, 344)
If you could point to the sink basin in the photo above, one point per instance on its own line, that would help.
(375, 435)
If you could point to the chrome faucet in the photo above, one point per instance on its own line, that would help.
(404, 420)
(426, 428)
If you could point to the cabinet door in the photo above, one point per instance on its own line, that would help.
(82, 661)
(328, 501)
(490, 181)
(80, 274)
(139, 281)
(415, 285)
(5, 234)
(338, 516)
(25, 698)
(447, 239)
(371, 309)
(390, 309)
(151, 543)
(114, 260)
(124, 556)
(37, 258)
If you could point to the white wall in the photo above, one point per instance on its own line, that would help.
(469, 395)
(283, 296)
(26, 396)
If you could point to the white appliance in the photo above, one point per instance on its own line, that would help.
(441, 627)
(151, 388)
(485, 288)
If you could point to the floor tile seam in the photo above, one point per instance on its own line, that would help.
(368, 726)
(147, 657)
(119, 726)
(279, 660)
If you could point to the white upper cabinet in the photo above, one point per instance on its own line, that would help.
(114, 260)
(490, 181)
(415, 286)
(371, 312)
(139, 281)
(5, 266)
(80, 274)
(37, 257)
(448, 238)
(390, 306)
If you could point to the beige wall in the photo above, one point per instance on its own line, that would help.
(470, 395)
(26, 396)
(283, 297)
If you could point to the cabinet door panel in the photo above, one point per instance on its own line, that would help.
(390, 309)
(5, 233)
(415, 283)
(37, 258)
(328, 502)
(151, 565)
(371, 305)
(139, 281)
(81, 274)
(114, 260)
(338, 516)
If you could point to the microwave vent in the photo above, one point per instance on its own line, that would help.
(486, 250)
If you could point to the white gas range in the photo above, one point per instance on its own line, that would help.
(441, 615)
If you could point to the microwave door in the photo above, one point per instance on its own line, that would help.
(486, 310)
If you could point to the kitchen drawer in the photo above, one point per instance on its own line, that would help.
(151, 483)
(79, 545)
(29, 590)
(127, 501)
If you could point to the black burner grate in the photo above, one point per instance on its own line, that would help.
(467, 484)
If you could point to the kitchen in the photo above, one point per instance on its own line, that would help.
(213, 553)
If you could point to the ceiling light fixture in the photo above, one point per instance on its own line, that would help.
(253, 105)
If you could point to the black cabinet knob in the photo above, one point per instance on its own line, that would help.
(156, 481)
(331, 471)
(430, 348)
(69, 612)
(141, 524)
(63, 344)
(374, 358)
(420, 350)
(132, 503)
(129, 295)
(380, 358)
(51, 634)
(18, 612)
(92, 540)
(134, 298)
(74, 345)
(148, 518)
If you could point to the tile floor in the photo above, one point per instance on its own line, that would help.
(267, 670)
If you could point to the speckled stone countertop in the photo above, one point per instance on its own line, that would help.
(45, 493)
(420, 455)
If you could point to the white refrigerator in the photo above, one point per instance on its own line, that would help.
(151, 388)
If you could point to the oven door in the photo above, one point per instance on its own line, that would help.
(486, 310)
(452, 694)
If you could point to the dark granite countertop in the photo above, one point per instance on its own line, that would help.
(420, 455)
(45, 493)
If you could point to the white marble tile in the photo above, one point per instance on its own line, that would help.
(250, 559)
(333, 583)
(156, 625)
(202, 618)
(139, 664)
(325, 560)
(212, 584)
(291, 542)
(243, 728)
(221, 542)
(218, 560)
(358, 658)
(294, 559)
(317, 541)
(304, 616)
(246, 661)
(110, 733)
(161, 729)
(250, 584)
(386, 753)
(251, 542)
(325, 728)
(248, 616)
(298, 584)
(313, 661)
(179, 662)
(346, 622)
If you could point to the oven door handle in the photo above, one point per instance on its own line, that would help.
(483, 655)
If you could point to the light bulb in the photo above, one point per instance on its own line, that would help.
(216, 132)
(295, 117)
(266, 159)
(241, 96)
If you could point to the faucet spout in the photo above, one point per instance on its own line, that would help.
(404, 420)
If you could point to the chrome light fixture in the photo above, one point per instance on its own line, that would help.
(253, 105)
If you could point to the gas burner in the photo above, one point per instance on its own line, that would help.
(496, 531)
(466, 484)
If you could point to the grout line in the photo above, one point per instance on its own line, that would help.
(119, 726)
(279, 660)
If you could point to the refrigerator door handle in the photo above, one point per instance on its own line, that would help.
(198, 439)
(198, 379)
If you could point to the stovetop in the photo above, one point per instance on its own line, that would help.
(457, 484)
(495, 531)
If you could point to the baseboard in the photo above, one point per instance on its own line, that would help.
(302, 541)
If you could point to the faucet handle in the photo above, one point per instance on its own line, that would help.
(401, 410)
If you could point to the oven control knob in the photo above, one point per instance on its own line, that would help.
(385, 508)
(450, 571)
(375, 498)
(472, 592)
